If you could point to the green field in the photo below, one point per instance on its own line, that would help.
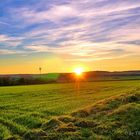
(47, 77)
(98, 110)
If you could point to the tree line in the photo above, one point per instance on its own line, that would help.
(8, 81)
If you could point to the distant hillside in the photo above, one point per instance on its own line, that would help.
(105, 75)
(27, 79)
(101, 75)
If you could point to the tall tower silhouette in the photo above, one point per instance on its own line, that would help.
(40, 69)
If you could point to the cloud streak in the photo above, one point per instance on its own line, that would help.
(81, 30)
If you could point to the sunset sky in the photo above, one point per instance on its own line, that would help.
(60, 35)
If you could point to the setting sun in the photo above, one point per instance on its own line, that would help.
(78, 71)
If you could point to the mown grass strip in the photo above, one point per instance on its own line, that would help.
(28, 121)
(13, 127)
(4, 132)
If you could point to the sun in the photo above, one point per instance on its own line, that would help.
(78, 71)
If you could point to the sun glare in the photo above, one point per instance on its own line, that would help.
(78, 71)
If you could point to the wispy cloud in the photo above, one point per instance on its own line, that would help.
(4, 23)
(9, 41)
(83, 30)
(8, 51)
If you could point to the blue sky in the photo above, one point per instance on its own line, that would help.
(72, 30)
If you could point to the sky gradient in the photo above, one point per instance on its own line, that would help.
(59, 35)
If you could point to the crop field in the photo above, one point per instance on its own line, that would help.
(94, 110)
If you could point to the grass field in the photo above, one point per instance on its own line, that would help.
(99, 110)
(49, 76)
